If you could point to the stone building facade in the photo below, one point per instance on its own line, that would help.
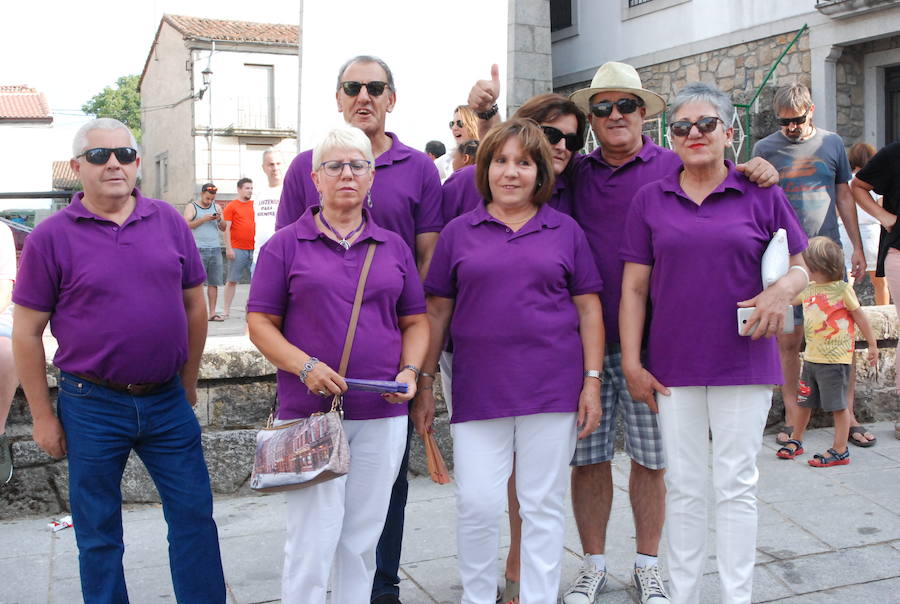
(851, 90)
(848, 54)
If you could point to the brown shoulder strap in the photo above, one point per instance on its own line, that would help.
(354, 316)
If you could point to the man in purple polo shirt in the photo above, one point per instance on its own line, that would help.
(406, 196)
(406, 199)
(606, 180)
(119, 279)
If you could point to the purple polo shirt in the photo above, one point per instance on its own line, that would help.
(114, 293)
(460, 194)
(310, 281)
(406, 195)
(517, 350)
(706, 258)
(604, 196)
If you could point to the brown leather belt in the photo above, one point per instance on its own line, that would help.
(132, 389)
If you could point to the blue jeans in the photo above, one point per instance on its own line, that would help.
(387, 554)
(102, 426)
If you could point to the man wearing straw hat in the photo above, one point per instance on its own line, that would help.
(606, 180)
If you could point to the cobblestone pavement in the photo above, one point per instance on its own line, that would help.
(825, 535)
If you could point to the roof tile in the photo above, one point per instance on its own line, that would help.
(238, 31)
(19, 102)
(64, 177)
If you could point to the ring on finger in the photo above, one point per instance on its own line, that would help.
(322, 393)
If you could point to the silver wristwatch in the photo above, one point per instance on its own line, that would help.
(593, 373)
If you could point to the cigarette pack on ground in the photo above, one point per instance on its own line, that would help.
(58, 525)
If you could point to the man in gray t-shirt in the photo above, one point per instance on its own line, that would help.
(814, 172)
(205, 222)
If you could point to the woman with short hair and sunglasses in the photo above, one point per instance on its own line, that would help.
(298, 313)
(693, 244)
(514, 283)
(565, 127)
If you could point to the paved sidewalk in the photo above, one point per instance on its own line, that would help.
(825, 535)
(236, 324)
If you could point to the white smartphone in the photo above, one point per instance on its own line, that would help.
(743, 315)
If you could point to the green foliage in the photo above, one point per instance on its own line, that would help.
(122, 103)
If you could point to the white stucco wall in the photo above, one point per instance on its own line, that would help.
(168, 129)
(229, 91)
(236, 158)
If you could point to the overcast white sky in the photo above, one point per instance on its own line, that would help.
(72, 50)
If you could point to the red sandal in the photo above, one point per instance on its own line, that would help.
(787, 452)
(832, 459)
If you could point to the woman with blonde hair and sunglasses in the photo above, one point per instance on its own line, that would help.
(693, 244)
(464, 128)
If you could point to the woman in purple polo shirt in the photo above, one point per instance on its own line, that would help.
(516, 283)
(694, 242)
(298, 313)
(565, 127)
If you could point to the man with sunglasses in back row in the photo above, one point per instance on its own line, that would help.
(118, 277)
(405, 198)
(815, 174)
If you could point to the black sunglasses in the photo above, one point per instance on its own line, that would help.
(554, 136)
(787, 121)
(373, 88)
(705, 125)
(458, 123)
(625, 106)
(100, 155)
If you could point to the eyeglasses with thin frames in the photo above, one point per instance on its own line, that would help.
(358, 167)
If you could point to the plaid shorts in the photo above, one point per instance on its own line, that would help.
(643, 441)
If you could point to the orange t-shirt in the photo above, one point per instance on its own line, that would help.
(243, 223)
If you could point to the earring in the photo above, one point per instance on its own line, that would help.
(320, 198)
(369, 198)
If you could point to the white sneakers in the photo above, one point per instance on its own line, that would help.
(586, 586)
(591, 581)
(649, 585)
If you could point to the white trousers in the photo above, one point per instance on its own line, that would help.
(445, 362)
(340, 521)
(736, 415)
(543, 445)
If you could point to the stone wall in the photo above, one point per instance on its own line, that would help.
(850, 85)
(236, 392)
(528, 52)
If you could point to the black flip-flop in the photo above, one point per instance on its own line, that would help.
(216, 318)
(862, 431)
